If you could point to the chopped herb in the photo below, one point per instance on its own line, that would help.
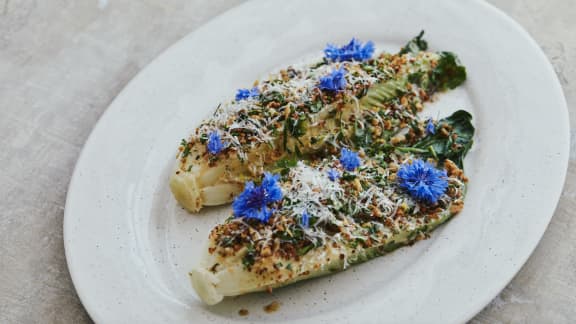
(348, 176)
(373, 229)
(203, 138)
(249, 258)
(305, 249)
(315, 106)
(272, 96)
(227, 241)
(286, 163)
(186, 150)
(296, 126)
(362, 137)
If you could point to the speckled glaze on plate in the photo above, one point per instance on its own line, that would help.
(129, 246)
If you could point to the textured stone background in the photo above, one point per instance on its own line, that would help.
(63, 61)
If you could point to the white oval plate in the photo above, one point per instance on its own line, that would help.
(129, 246)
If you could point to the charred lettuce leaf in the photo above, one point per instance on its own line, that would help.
(452, 140)
(383, 92)
(448, 74)
(415, 45)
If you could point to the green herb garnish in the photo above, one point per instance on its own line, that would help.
(415, 45)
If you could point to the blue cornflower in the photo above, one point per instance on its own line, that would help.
(251, 203)
(354, 50)
(422, 181)
(430, 128)
(349, 159)
(254, 201)
(214, 144)
(334, 81)
(242, 94)
(333, 174)
(305, 219)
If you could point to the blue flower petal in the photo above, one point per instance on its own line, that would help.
(305, 219)
(335, 81)
(422, 181)
(214, 144)
(349, 159)
(430, 128)
(365, 52)
(273, 192)
(242, 94)
(332, 52)
(353, 51)
(333, 174)
(254, 92)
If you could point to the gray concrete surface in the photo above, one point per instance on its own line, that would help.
(63, 61)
